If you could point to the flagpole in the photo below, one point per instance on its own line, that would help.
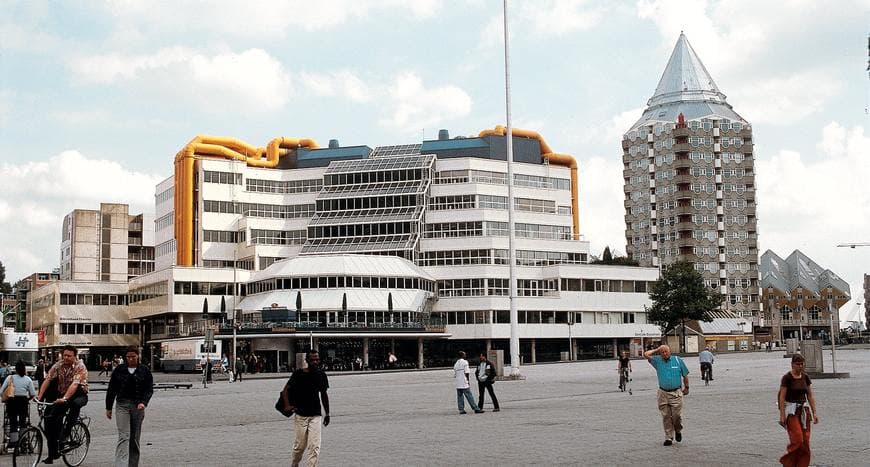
(512, 253)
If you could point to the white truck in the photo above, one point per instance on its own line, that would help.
(15, 346)
(188, 354)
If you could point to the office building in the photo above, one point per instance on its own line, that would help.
(360, 251)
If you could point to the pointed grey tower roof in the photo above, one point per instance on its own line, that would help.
(685, 78)
(686, 87)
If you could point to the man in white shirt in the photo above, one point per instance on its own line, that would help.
(463, 390)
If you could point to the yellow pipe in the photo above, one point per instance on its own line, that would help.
(548, 155)
(217, 147)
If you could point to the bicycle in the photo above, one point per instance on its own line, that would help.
(706, 373)
(624, 378)
(73, 449)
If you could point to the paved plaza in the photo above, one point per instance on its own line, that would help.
(563, 414)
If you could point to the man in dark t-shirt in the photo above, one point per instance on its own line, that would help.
(303, 394)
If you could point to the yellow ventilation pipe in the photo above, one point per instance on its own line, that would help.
(548, 155)
(216, 147)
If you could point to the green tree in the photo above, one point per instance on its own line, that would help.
(680, 296)
(607, 256)
(4, 286)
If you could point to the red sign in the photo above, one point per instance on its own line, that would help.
(274, 305)
(41, 337)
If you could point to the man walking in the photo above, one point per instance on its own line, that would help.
(303, 395)
(673, 380)
(133, 386)
(486, 374)
(463, 389)
(706, 359)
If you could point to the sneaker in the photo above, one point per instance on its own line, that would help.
(48, 460)
(667, 442)
(478, 411)
(462, 412)
(496, 409)
(678, 437)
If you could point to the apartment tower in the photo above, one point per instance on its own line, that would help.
(690, 183)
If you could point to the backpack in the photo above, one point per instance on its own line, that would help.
(279, 405)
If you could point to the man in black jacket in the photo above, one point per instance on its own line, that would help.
(303, 395)
(133, 386)
(486, 373)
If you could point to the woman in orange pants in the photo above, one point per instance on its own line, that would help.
(797, 411)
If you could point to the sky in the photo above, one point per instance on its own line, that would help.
(97, 97)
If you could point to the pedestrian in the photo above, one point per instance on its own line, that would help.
(39, 372)
(795, 415)
(132, 385)
(463, 389)
(706, 360)
(392, 359)
(673, 375)
(623, 369)
(240, 368)
(486, 373)
(16, 407)
(303, 395)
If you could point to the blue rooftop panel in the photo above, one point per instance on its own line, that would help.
(446, 144)
(333, 153)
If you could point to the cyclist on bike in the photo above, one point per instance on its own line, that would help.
(623, 368)
(16, 406)
(68, 381)
(706, 359)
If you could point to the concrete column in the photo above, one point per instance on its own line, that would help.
(393, 346)
(365, 352)
(420, 353)
(534, 359)
(488, 345)
(615, 349)
(316, 344)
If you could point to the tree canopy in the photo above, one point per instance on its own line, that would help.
(608, 258)
(4, 286)
(679, 296)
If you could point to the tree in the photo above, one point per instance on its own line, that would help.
(607, 256)
(4, 286)
(680, 296)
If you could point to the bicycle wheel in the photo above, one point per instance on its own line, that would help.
(76, 448)
(28, 451)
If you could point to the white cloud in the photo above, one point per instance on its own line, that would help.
(609, 133)
(413, 106)
(255, 18)
(248, 80)
(602, 215)
(784, 101)
(812, 205)
(340, 83)
(82, 117)
(558, 17)
(37, 194)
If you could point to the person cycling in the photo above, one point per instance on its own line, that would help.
(706, 359)
(623, 368)
(16, 407)
(68, 381)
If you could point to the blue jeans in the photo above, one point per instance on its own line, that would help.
(460, 402)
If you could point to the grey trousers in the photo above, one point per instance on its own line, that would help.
(129, 421)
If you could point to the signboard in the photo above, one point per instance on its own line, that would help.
(19, 341)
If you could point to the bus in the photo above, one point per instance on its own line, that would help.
(15, 346)
(188, 354)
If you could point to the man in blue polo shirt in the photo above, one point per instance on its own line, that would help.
(673, 376)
